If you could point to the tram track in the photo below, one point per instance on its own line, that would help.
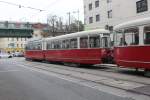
(81, 75)
(91, 72)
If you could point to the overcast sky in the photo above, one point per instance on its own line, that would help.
(57, 7)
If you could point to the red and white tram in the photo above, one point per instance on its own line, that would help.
(132, 44)
(87, 47)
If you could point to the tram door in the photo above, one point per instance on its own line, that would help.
(105, 42)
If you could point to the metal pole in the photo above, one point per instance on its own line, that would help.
(78, 21)
(69, 20)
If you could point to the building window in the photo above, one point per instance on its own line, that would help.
(17, 39)
(97, 18)
(90, 6)
(96, 3)
(141, 6)
(108, 1)
(110, 14)
(90, 20)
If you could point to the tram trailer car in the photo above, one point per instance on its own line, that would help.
(132, 44)
(87, 47)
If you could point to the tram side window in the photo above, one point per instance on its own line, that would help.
(119, 39)
(49, 45)
(31, 47)
(73, 43)
(147, 35)
(131, 37)
(63, 44)
(67, 44)
(84, 42)
(52, 45)
(57, 45)
(94, 41)
(39, 46)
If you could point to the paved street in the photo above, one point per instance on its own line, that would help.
(19, 82)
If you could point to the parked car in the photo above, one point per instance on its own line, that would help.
(18, 54)
(5, 55)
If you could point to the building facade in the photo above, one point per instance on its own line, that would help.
(108, 13)
(13, 44)
(13, 35)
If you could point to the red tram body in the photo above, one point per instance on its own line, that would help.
(81, 56)
(134, 57)
(35, 54)
(87, 47)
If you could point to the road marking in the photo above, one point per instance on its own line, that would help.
(9, 71)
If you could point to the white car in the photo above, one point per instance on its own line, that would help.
(18, 54)
(5, 55)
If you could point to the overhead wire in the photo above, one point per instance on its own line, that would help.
(21, 6)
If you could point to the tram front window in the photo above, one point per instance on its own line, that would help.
(128, 37)
(131, 36)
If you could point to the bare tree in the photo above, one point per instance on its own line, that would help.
(58, 26)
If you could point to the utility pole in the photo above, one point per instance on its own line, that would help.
(69, 19)
(78, 19)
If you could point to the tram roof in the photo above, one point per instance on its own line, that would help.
(35, 39)
(80, 34)
(129, 24)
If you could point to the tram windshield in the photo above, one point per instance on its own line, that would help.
(127, 37)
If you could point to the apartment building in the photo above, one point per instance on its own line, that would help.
(108, 13)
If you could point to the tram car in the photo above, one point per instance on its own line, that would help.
(87, 47)
(132, 44)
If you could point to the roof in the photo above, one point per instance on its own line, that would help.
(80, 34)
(129, 24)
(34, 40)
